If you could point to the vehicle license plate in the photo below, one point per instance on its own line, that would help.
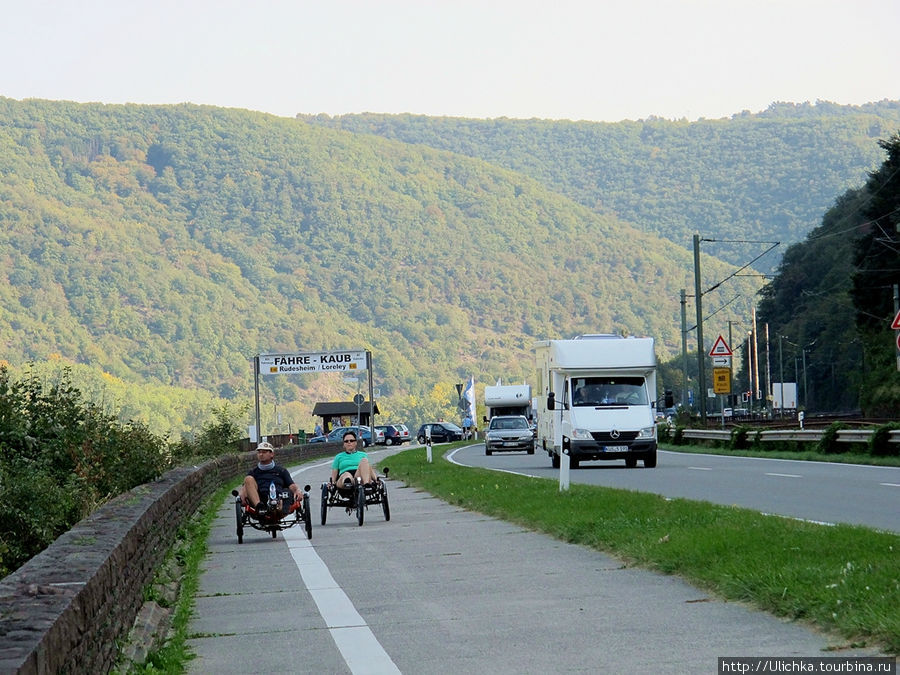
(509, 443)
(615, 448)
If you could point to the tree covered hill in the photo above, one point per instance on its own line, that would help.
(170, 244)
(760, 177)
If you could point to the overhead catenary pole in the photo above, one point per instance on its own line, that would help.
(769, 392)
(701, 355)
(781, 375)
(756, 393)
(684, 354)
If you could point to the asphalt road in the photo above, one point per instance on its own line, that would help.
(439, 589)
(818, 491)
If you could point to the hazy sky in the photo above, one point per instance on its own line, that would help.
(603, 60)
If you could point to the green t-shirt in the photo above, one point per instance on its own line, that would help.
(348, 461)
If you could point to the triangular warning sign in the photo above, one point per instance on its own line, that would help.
(720, 348)
(896, 324)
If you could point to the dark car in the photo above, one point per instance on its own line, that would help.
(337, 434)
(394, 434)
(441, 432)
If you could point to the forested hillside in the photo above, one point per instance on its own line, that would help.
(172, 243)
(165, 246)
(832, 300)
(768, 176)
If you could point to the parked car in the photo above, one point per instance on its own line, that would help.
(441, 432)
(336, 435)
(394, 434)
(508, 433)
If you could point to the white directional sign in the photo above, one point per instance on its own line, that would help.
(721, 361)
(312, 362)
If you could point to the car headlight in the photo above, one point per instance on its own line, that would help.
(581, 435)
(647, 432)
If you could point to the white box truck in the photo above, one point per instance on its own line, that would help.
(596, 399)
(507, 399)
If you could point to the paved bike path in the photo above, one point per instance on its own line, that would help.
(439, 589)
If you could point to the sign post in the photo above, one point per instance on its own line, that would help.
(721, 358)
(895, 325)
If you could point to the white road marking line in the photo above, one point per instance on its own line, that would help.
(785, 475)
(356, 642)
(354, 639)
(700, 468)
(890, 484)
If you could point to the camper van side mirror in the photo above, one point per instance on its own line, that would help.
(551, 401)
(670, 399)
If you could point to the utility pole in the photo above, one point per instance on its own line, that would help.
(755, 392)
(700, 351)
(781, 375)
(684, 354)
(769, 392)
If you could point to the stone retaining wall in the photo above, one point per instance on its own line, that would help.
(69, 607)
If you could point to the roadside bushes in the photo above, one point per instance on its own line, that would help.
(739, 438)
(828, 444)
(62, 456)
(879, 443)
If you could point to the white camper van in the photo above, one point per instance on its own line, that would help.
(596, 399)
(507, 399)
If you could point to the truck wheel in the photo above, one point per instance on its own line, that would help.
(573, 463)
(631, 462)
(487, 451)
(531, 450)
(650, 460)
(554, 460)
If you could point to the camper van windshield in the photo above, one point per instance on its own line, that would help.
(600, 391)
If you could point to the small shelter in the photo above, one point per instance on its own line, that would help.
(330, 411)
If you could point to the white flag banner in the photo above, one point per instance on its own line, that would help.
(469, 397)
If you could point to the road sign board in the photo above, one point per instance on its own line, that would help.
(721, 361)
(312, 362)
(895, 324)
(720, 348)
(722, 380)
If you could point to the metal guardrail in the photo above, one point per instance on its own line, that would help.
(814, 435)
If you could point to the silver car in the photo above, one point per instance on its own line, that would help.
(508, 433)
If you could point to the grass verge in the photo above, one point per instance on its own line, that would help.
(191, 547)
(860, 457)
(843, 580)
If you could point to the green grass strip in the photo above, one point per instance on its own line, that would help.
(842, 579)
(191, 547)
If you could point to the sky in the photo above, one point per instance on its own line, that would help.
(599, 60)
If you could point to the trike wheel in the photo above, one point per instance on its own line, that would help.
(360, 503)
(239, 516)
(324, 503)
(307, 517)
(384, 503)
